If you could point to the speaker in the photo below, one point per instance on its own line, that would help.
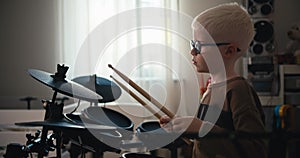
(261, 12)
(263, 42)
(261, 72)
(260, 8)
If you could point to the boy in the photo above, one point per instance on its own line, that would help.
(230, 27)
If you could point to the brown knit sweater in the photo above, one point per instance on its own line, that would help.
(242, 111)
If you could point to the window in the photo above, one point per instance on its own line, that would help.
(143, 52)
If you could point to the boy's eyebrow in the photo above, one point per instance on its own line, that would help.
(198, 40)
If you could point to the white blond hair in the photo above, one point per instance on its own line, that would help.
(228, 22)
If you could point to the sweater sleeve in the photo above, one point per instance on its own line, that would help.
(246, 118)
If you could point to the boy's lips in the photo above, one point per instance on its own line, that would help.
(194, 62)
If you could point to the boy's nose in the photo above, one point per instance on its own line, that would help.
(193, 52)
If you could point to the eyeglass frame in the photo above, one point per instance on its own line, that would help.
(198, 49)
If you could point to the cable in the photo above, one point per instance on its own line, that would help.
(75, 107)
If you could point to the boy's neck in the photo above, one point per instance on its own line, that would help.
(221, 77)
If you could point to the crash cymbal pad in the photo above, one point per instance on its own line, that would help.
(59, 83)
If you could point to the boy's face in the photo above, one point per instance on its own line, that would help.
(199, 62)
(209, 56)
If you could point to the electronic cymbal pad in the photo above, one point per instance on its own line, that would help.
(59, 83)
(65, 124)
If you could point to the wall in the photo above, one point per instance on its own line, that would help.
(285, 15)
(28, 39)
(194, 7)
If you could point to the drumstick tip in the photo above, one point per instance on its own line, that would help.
(110, 66)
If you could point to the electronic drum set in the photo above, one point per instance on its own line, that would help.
(78, 129)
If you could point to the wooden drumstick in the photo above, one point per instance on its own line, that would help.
(157, 115)
(137, 98)
(143, 92)
(146, 95)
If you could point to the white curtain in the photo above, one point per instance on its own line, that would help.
(95, 33)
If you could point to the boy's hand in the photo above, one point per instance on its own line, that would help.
(164, 120)
(165, 123)
(187, 124)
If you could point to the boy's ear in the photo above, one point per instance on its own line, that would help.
(230, 51)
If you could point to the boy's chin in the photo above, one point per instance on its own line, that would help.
(201, 70)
